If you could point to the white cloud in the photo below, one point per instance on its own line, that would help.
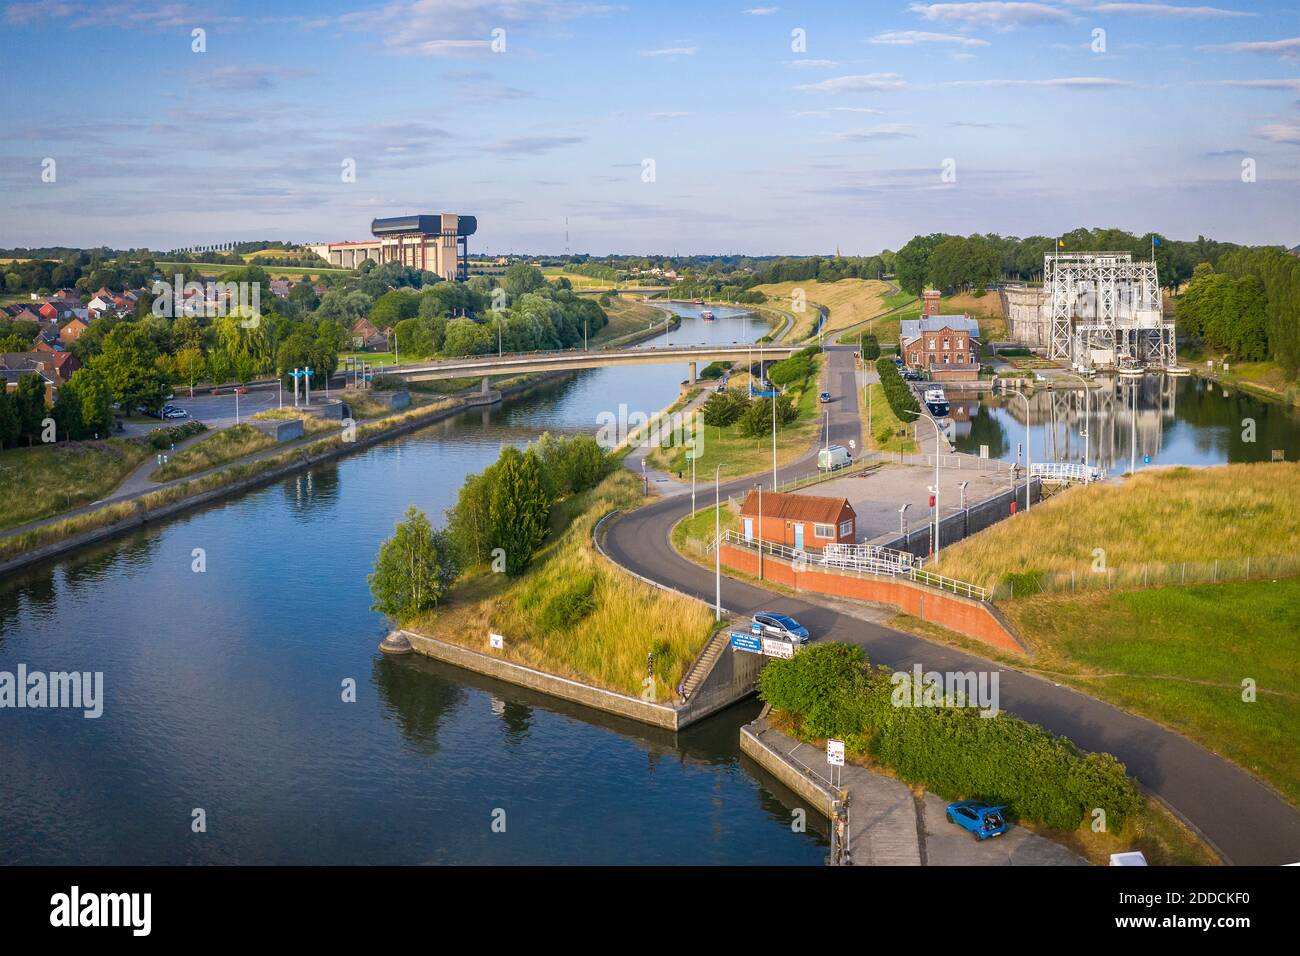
(762, 11)
(812, 64)
(1168, 11)
(1075, 82)
(1283, 84)
(998, 15)
(913, 37)
(862, 83)
(671, 51)
(1282, 133)
(1288, 49)
(885, 131)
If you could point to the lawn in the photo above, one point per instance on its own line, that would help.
(1159, 526)
(275, 272)
(48, 479)
(849, 302)
(886, 432)
(608, 645)
(1179, 655)
(226, 445)
(740, 454)
(627, 316)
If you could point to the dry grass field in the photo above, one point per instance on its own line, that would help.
(849, 301)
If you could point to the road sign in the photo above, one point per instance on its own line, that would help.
(1146, 459)
(755, 627)
(775, 647)
(835, 752)
(746, 642)
(497, 641)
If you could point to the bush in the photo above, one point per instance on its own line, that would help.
(899, 396)
(789, 371)
(870, 347)
(387, 383)
(571, 605)
(714, 370)
(169, 435)
(953, 751)
(724, 408)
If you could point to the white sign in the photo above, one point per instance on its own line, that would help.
(835, 752)
(497, 641)
(775, 647)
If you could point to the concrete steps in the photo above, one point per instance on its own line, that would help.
(703, 664)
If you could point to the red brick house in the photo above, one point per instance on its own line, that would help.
(947, 346)
(804, 522)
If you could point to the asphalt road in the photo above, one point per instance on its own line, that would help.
(1245, 820)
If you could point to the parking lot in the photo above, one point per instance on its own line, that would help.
(215, 411)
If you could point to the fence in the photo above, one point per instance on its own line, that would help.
(956, 460)
(1064, 471)
(919, 541)
(1149, 575)
(887, 562)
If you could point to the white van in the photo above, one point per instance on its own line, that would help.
(833, 457)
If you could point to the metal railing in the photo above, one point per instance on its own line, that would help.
(890, 563)
(1064, 471)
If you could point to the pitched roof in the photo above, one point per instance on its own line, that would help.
(797, 507)
(911, 328)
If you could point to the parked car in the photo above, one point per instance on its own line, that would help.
(779, 625)
(176, 413)
(824, 397)
(979, 819)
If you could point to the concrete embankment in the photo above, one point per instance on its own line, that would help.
(732, 676)
(142, 515)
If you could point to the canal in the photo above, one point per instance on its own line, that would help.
(1149, 421)
(224, 691)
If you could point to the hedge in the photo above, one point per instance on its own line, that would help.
(952, 751)
(899, 396)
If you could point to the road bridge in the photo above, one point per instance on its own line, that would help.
(573, 359)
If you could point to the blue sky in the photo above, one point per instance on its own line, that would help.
(757, 147)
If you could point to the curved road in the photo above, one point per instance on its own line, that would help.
(1246, 821)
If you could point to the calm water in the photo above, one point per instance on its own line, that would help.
(1155, 420)
(223, 692)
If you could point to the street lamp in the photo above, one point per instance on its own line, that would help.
(920, 414)
(902, 522)
(961, 486)
(717, 543)
(934, 498)
(1028, 457)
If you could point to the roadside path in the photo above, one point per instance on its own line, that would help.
(1243, 818)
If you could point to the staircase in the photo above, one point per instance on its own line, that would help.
(703, 664)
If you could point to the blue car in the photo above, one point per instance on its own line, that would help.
(979, 818)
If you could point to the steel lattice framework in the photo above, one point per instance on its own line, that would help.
(1106, 309)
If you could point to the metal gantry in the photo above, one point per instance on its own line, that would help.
(1106, 310)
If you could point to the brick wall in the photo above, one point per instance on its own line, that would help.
(963, 615)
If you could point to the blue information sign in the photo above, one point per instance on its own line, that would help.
(746, 642)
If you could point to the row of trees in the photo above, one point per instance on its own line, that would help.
(1226, 313)
(82, 409)
(899, 396)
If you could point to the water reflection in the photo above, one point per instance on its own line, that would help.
(1127, 423)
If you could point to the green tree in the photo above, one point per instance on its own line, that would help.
(127, 363)
(518, 508)
(96, 402)
(757, 419)
(67, 413)
(29, 402)
(10, 427)
(414, 569)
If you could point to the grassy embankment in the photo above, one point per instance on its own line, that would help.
(626, 317)
(275, 272)
(46, 479)
(237, 471)
(572, 613)
(217, 449)
(848, 301)
(741, 454)
(1268, 379)
(1175, 653)
(885, 431)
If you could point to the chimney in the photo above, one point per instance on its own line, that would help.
(931, 303)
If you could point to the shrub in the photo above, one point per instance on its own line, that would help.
(870, 347)
(724, 408)
(789, 371)
(757, 418)
(953, 751)
(899, 396)
(571, 605)
(714, 370)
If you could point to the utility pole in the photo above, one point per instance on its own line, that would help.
(717, 543)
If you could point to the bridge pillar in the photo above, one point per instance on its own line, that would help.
(691, 379)
(485, 387)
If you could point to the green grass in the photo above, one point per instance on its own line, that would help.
(48, 479)
(740, 454)
(608, 645)
(627, 316)
(887, 432)
(1146, 528)
(226, 445)
(1179, 655)
(275, 272)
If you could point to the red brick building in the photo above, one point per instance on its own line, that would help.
(805, 522)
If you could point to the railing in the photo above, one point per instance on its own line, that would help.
(1064, 471)
(868, 557)
(823, 474)
(887, 562)
(955, 460)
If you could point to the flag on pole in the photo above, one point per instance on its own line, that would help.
(1060, 243)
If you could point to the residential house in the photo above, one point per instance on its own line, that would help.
(366, 336)
(803, 522)
(72, 330)
(280, 288)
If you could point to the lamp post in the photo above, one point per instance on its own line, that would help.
(961, 487)
(902, 522)
(934, 499)
(936, 479)
(1087, 417)
(760, 531)
(774, 397)
(1028, 457)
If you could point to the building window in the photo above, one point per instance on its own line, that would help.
(932, 343)
(823, 531)
(946, 357)
(846, 528)
(945, 343)
(972, 358)
(959, 345)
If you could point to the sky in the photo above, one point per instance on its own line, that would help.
(663, 127)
